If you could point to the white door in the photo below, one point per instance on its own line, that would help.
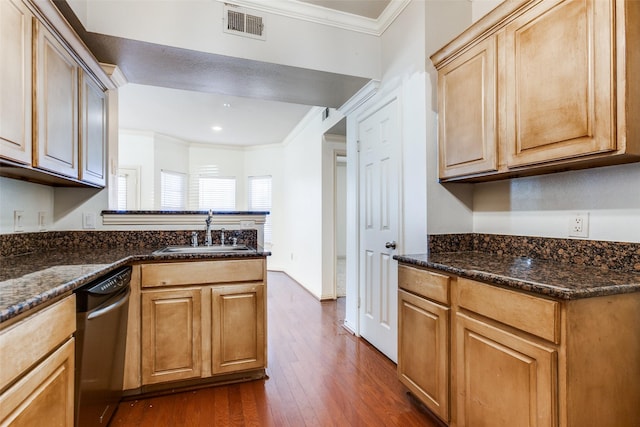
(379, 141)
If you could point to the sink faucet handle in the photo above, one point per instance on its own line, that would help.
(194, 239)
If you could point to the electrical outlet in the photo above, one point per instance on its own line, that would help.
(579, 225)
(18, 221)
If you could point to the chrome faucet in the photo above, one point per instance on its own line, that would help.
(222, 236)
(207, 234)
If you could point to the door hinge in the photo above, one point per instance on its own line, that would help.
(358, 302)
(358, 146)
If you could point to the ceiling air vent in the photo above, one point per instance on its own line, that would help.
(239, 21)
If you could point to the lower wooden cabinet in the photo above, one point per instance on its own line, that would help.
(37, 356)
(171, 335)
(503, 379)
(423, 351)
(198, 320)
(513, 359)
(44, 397)
(237, 328)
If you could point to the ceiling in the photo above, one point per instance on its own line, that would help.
(182, 93)
(368, 8)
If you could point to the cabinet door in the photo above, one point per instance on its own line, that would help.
(171, 335)
(15, 81)
(93, 135)
(423, 351)
(44, 397)
(238, 328)
(56, 111)
(558, 94)
(467, 106)
(503, 379)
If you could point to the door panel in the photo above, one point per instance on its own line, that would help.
(379, 200)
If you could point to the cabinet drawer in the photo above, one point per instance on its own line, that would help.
(531, 314)
(424, 283)
(202, 272)
(28, 341)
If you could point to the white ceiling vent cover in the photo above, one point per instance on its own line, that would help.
(243, 22)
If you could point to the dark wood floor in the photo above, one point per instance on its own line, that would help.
(319, 375)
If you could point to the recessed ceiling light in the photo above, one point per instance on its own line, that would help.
(216, 128)
(226, 105)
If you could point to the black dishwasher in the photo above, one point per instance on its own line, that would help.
(101, 317)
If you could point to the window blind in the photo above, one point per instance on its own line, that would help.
(122, 192)
(217, 193)
(172, 190)
(260, 200)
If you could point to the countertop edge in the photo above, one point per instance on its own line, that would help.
(541, 289)
(35, 302)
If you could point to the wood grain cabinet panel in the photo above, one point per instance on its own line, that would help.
(93, 135)
(467, 106)
(15, 81)
(198, 325)
(37, 357)
(238, 328)
(503, 379)
(44, 397)
(56, 94)
(423, 351)
(538, 86)
(171, 335)
(558, 78)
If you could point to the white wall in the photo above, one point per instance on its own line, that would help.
(136, 149)
(27, 197)
(170, 154)
(219, 161)
(197, 25)
(268, 160)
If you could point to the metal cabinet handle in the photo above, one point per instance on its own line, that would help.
(390, 245)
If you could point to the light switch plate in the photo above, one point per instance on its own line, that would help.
(18, 220)
(88, 220)
(42, 221)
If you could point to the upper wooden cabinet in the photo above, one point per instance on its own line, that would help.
(467, 102)
(565, 94)
(93, 131)
(53, 100)
(15, 81)
(56, 112)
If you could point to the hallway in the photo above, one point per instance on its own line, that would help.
(319, 375)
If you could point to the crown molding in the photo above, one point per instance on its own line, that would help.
(362, 96)
(320, 15)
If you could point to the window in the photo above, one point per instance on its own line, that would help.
(172, 190)
(260, 200)
(122, 192)
(217, 193)
(127, 185)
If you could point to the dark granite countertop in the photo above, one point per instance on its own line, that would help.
(544, 277)
(29, 280)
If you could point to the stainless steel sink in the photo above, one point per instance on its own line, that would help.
(204, 249)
